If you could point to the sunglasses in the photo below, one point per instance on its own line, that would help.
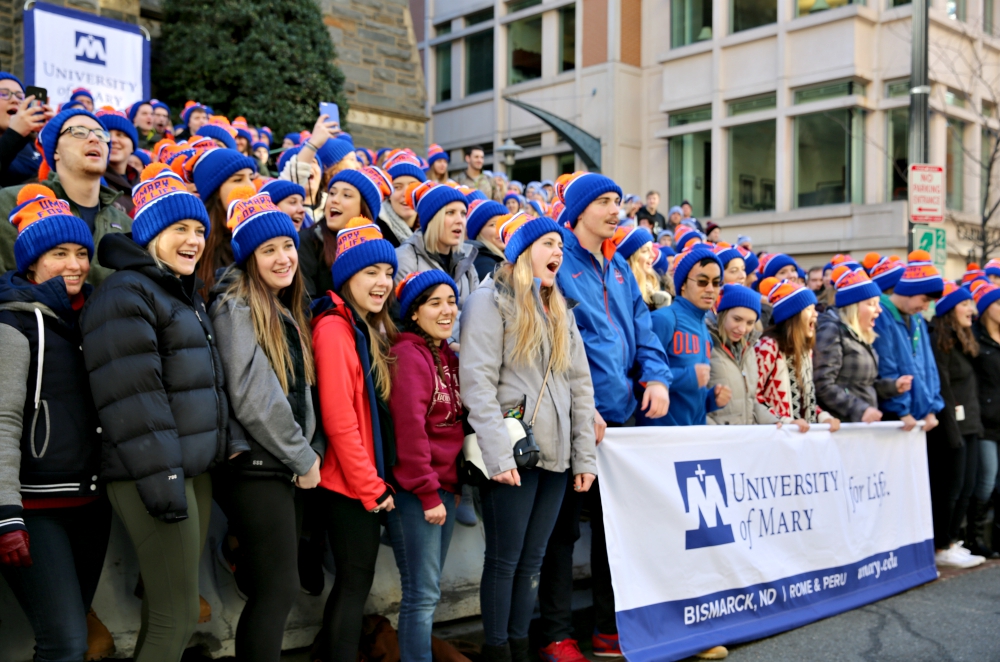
(82, 133)
(705, 282)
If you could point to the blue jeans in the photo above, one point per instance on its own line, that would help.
(989, 464)
(518, 523)
(67, 551)
(420, 548)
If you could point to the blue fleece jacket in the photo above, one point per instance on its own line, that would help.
(614, 322)
(906, 350)
(682, 331)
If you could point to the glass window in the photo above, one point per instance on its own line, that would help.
(751, 167)
(567, 39)
(828, 157)
(690, 21)
(690, 115)
(442, 28)
(897, 152)
(897, 88)
(956, 10)
(746, 14)
(518, 5)
(954, 167)
(989, 109)
(953, 98)
(479, 62)
(443, 58)
(987, 158)
(567, 164)
(690, 176)
(479, 17)
(524, 48)
(829, 91)
(988, 16)
(527, 170)
(752, 104)
(806, 7)
(898, 3)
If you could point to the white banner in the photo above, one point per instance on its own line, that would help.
(723, 534)
(65, 49)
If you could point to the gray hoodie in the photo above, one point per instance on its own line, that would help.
(255, 393)
(491, 384)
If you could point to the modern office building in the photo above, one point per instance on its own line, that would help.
(786, 121)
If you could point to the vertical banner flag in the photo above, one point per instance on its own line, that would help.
(725, 534)
(65, 49)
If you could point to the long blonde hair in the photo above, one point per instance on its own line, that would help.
(382, 331)
(648, 281)
(528, 326)
(849, 316)
(266, 311)
(432, 234)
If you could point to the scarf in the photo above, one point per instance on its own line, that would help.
(395, 223)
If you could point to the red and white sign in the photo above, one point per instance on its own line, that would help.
(926, 193)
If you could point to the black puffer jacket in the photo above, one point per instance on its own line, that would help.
(156, 377)
(987, 366)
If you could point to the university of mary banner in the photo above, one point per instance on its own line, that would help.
(65, 49)
(724, 534)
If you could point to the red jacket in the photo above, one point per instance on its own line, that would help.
(427, 415)
(349, 466)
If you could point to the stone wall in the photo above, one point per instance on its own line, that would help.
(384, 82)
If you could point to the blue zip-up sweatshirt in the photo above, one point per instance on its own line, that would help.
(614, 322)
(682, 330)
(906, 350)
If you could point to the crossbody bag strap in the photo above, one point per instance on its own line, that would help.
(538, 402)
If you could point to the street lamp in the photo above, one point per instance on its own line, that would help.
(510, 150)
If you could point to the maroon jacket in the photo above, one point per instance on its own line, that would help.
(427, 415)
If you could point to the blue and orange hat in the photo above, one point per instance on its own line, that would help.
(727, 253)
(992, 268)
(418, 282)
(254, 219)
(480, 213)
(162, 199)
(853, 285)
(404, 164)
(428, 198)
(686, 260)
(580, 189)
(734, 295)
(661, 258)
(887, 271)
(787, 299)
(685, 235)
(630, 239)
(985, 295)
(972, 272)
(436, 153)
(920, 276)
(360, 245)
(951, 296)
(772, 263)
(372, 183)
(43, 222)
(520, 231)
(116, 120)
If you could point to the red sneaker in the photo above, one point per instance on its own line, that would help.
(566, 650)
(606, 645)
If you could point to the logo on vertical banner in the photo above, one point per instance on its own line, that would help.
(91, 48)
(703, 490)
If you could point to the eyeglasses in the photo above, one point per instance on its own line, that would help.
(7, 94)
(82, 133)
(705, 282)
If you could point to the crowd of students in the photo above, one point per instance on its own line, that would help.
(356, 343)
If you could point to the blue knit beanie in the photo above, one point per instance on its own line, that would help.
(217, 165)
(953, 295)
(751, 260)
(359, 246)
(985, 295)
(686, 260)
(853, 285)
(285, 156)
(114, 120)
(787, 298)
(480, 213)
(403, 165)
(661, 264)
(581, 190)
(218, 133)
(776, 263)
(294, 137)
(279, 189)
(372, 183)
(43, 222)
(433, 199)
(156, 103)
(161, 199)
(49, 135)
(629, 240)
(475, 194)
(333, 151)
(4, 75)
(133, 110)
(257, 145)
(254, 220)
(727, 254)
(520, 231)
(144, 156)
(919, 277)
(410, 288)
(738, 296)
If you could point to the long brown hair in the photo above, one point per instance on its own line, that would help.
(382, 331)
(330, 237)
(947, 331)
(793, 341)
(266, 311)
(218, 247)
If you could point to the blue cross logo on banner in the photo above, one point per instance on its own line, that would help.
(703, 489)
(91, 48)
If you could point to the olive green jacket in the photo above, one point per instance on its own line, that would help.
(109, 219)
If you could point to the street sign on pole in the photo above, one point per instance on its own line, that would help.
(934, 241)
(926, 193)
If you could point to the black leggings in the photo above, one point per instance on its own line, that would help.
(264, 519)
(354, 540)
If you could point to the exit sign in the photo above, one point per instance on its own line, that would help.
(926, 193)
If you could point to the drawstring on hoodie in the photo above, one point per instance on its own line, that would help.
(38, 388)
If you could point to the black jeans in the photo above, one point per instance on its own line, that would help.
(952, 476)
(67, 550)
(555, 595)
(264, 519)
(354, 540)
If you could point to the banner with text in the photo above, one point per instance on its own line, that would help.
(65, 49)
(724, 534)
